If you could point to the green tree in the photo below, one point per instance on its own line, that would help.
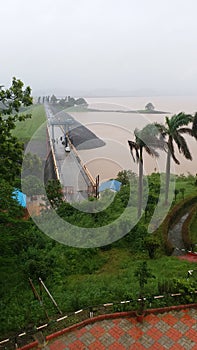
(145, 139)
(81, 101)
(9, 207)
(173, 130)
(32, 185)
(142, 274)
(62, 102)
(126, 177)
(182, 191)
(151, 243)
(11, 150)
(54, 194)
(149, 107)
(53, 99)
(70, 102)
(32, 165)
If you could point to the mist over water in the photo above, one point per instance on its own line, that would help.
(116, 128)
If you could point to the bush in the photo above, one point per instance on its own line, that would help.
(171, 218)
(186, 229)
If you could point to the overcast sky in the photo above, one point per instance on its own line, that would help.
(85, 45)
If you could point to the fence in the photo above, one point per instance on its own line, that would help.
(156, 302)
(53, 155)
(92, 181)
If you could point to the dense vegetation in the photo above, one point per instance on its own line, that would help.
(79, 277)
(11, 149)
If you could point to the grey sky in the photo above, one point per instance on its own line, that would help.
(124, 45)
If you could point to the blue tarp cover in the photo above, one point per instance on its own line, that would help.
(20, 197)
(113, 185)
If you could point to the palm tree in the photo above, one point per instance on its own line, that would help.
(194, 126)
(173, 130)
(144, 139)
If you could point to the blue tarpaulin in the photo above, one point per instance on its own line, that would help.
(112, 185)
(20, 197)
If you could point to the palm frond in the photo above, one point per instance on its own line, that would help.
(148, 138)
(162, 130)
(151, 151)
(134, 148)
(168, 122)
(180, 119)
(188, 131)
(152, 139)
(194, 126)
(177, 140)
(138, 137)
(182, 145)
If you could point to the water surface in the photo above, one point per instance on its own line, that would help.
(117, 128)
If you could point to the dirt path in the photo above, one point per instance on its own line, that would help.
(175, 237)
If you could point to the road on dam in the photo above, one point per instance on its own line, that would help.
(71, 172)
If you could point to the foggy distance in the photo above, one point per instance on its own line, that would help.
(98, 48)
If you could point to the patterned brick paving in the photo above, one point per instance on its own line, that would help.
(175, 330)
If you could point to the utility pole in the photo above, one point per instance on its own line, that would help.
(50, 296)
(97, 187)
(37, 296)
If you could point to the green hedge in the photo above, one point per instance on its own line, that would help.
(176, 212)
(186, 229)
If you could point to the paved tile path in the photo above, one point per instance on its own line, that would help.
(173, 330)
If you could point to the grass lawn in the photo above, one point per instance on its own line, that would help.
(35, 127)
(115, 280)
(112, 281)
(188, 186)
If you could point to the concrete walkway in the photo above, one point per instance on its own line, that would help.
(170, 330)
(72, 174)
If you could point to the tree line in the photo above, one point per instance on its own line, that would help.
(65, 102)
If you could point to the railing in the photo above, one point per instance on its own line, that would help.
(27, 336)
(53, 155)
(92, 187)
(90, 177)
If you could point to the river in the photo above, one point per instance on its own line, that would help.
(116, 128)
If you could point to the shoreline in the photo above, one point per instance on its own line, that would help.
(122, 111)
(81, 137)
